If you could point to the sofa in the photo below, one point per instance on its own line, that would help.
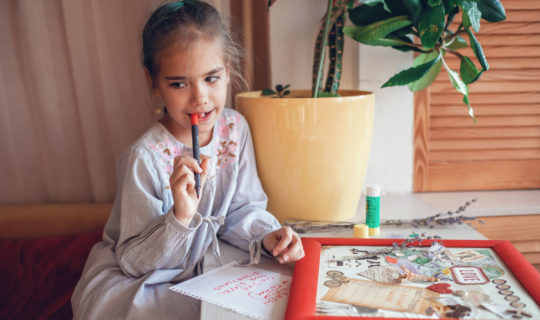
(43, 249)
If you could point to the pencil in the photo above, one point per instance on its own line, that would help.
(195, 140)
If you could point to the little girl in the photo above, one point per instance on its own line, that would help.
(158, 230)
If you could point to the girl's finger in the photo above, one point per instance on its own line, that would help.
(187, 161)
(293, 252)
(183, 179)
(284, 240)
(187, 186)
(179, 172)
(204, 174)
(297, 251)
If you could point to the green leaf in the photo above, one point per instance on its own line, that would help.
(375, 33)
(449, 5)
(364, 15)
(461, 87)
(478, 51)
(404, 34)
(457, 43)
(415, 8)
(268, 92)
(279, 88)
(397, 7)
(492, 10)
(434, 3)
(374, 2)
(451, 15)
(468, 71)
(409, 75)
(286, 92)
(432, 73)
(431, 25)
(324, 94)
(471, 15)
(385, 42)
(405, 39)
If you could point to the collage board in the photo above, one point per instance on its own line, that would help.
(419, 282)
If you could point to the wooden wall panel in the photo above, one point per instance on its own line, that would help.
(508, 63)
(510, 5)
(452, 98)
(491, 86)
(485, 144)
(521, 230)
(482, 175)
(484, 110)
(514, 39)
(476, 132)
(502, 149)
(421, 138)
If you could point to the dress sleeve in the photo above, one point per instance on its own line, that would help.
(247, 219)
(148, 237)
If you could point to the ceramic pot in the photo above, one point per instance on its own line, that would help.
(312, 154)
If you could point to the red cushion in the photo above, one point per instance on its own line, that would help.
(37, 276)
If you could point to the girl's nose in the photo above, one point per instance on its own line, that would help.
(198, 95)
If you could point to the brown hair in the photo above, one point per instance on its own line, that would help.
(183, 22)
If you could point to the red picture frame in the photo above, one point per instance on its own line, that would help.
(303, 294)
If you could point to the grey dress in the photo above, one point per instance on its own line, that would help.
(145, 249)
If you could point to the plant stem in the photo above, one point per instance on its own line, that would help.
(457, 54)
(415, 45)
(323, 49)
(452, 36)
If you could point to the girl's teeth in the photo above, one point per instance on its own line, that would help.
(201, 114)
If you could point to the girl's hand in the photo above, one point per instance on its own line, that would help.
(182, 182)
(284, 244)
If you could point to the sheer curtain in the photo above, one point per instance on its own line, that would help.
(73, 95)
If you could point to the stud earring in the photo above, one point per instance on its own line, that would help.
(159, 112)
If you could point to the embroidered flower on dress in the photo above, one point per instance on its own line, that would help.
(228, 137)
(167, 151)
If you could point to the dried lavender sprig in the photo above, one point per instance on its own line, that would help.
(453, 217)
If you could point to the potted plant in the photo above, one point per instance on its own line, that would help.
(312, 149)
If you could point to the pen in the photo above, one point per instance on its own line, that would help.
(195, 139)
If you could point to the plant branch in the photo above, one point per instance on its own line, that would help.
(418, 46)
(323, 49)
(414, 45)
(454, 52)
(455, 34)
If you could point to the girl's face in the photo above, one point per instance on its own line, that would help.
(192, 80)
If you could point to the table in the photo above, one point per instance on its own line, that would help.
(230, 253)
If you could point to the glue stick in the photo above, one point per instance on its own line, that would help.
(373, 202)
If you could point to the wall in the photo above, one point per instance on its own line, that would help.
(293, 29)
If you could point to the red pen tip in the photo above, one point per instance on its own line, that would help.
(194, 119)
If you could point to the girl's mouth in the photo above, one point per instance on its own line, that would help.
(203, 116)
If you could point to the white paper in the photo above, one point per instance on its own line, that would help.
(249, 290)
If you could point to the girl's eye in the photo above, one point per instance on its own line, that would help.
(177, 85)
(212, 79)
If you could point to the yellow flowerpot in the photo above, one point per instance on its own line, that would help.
(312, 154)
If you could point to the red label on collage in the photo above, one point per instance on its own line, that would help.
(468, 275)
